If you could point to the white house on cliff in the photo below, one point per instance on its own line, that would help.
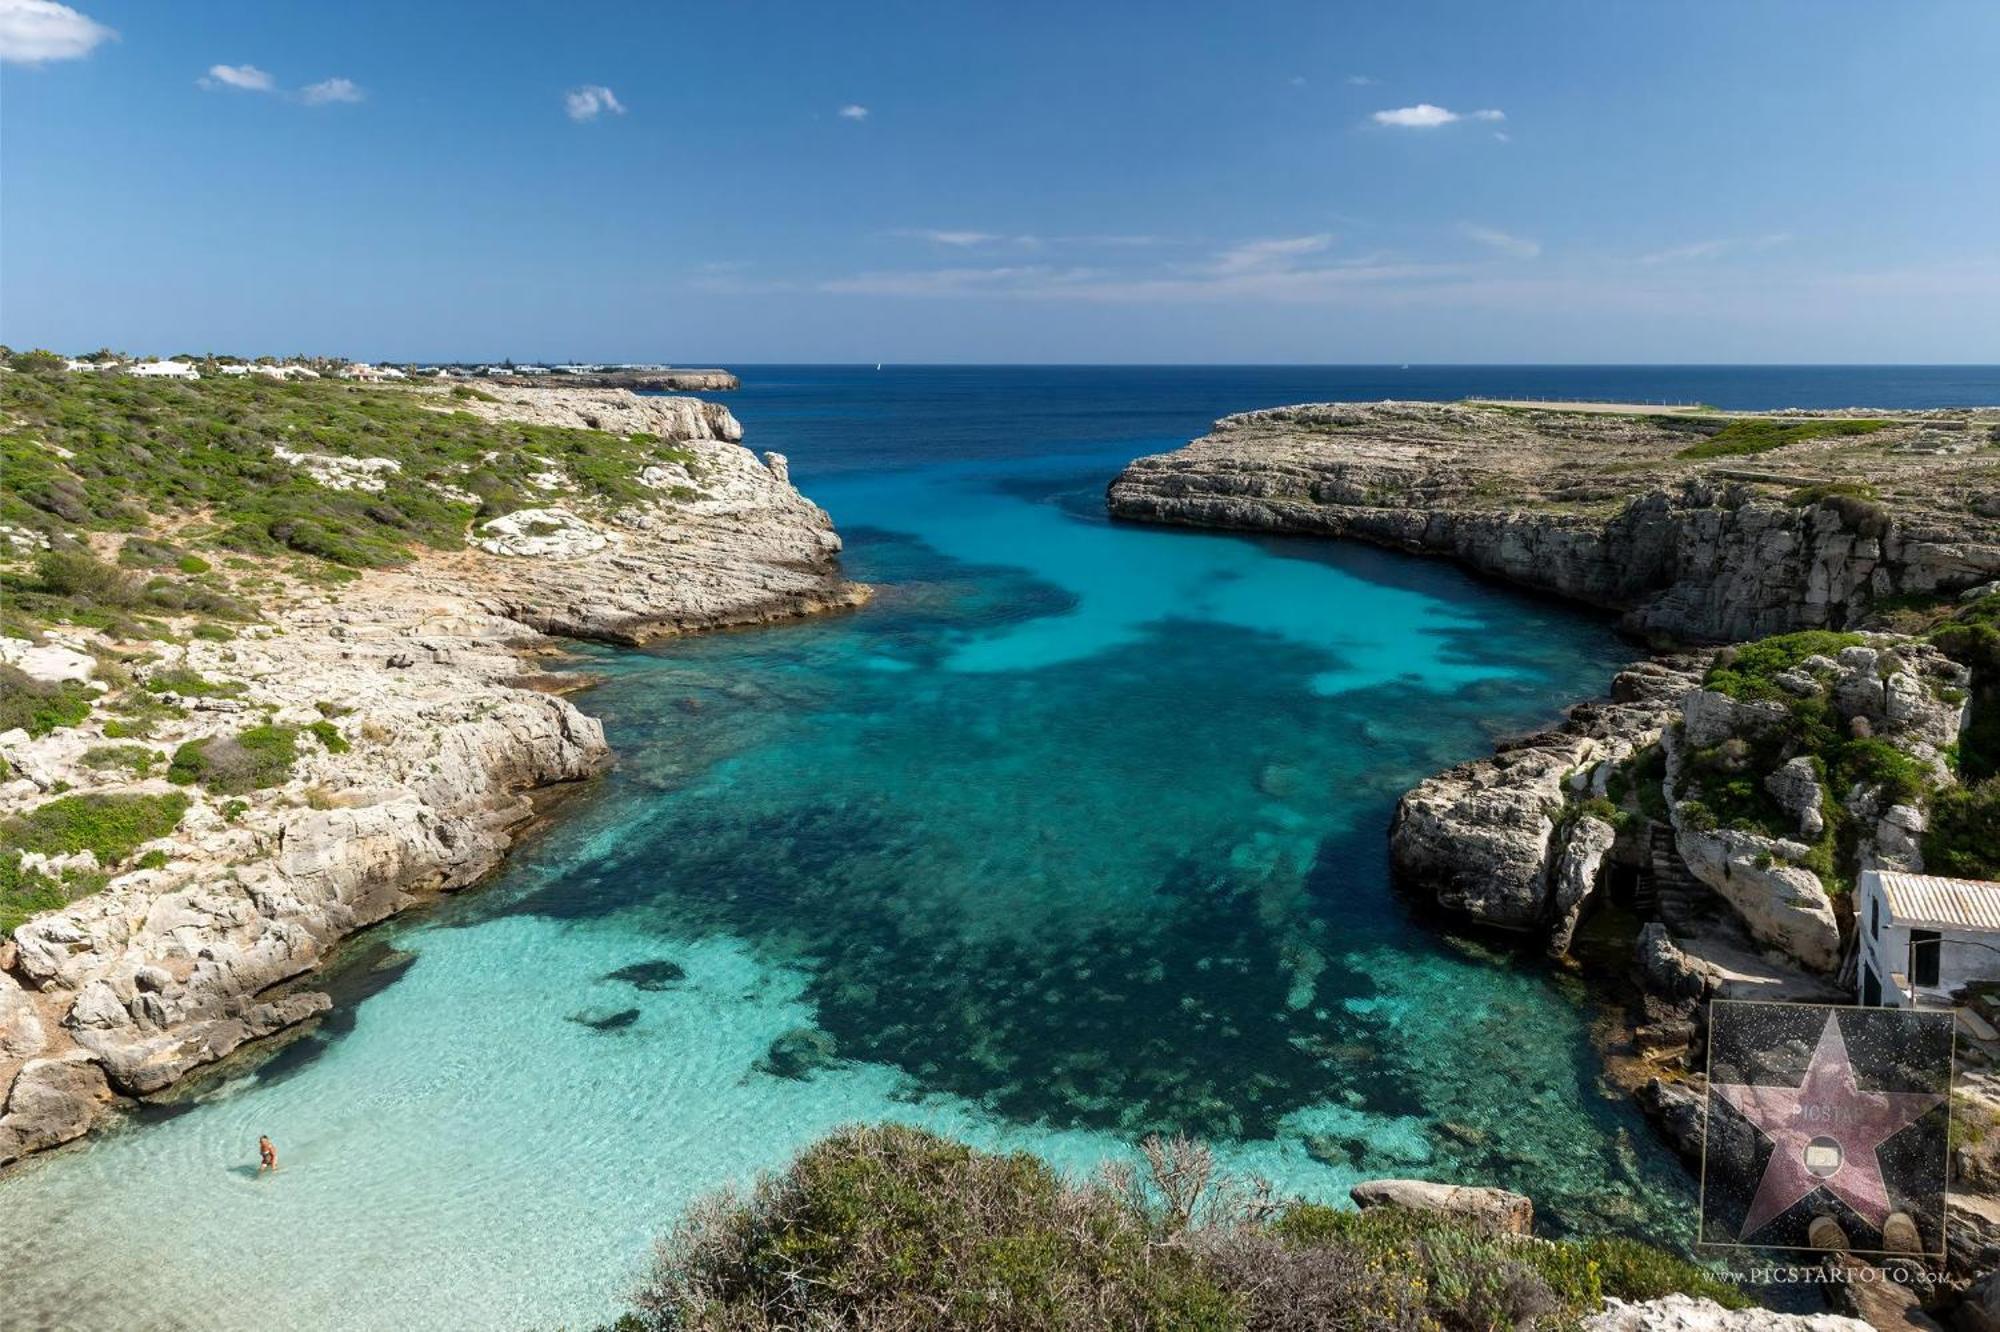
(1923, 938)
(165, 370)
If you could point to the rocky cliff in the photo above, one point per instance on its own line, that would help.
(1705, 526)
(402, 701)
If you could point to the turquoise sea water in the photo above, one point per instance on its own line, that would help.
(1076, 833)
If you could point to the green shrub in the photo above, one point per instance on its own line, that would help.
(328, 735)
(1750, 435)
(1749, 671)
(38, 706)
(1964, 837)
(895, 1227)
(70, 573)
(26, 892)
(110, 826)
(1826, 490)
(1630, 1270)
(892, 1226)
(191, 684)
(1902, 779)
(133, 760)
(251, 760)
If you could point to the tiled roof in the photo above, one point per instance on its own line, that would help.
(1925, 899)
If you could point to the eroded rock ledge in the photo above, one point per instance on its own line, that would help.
(1602, 507)
(428, 747)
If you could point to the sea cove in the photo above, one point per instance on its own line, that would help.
(1073, 834)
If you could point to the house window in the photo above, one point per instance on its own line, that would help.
(1924, 949)
(1871, 987)
(1874, 917)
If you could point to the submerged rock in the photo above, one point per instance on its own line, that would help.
(617, 1021)
(799, 1053)
(658, 974)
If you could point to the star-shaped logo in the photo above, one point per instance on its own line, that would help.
(1824, 1134)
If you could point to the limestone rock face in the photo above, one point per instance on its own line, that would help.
(1795, 786)
(1482, 840)
(50, 1101)
(1784, 906)
(21, 1032)
(435, 744)
(1575, 876)
(1595, 507)
(50, 663)
(1899, 692)
(1685, 1313)
(1496, 1210)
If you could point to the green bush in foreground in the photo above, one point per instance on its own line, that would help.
(895, 1227)
(111, 826)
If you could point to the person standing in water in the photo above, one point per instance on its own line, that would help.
(267, 1154)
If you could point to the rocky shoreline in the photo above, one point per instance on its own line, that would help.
(428, 732)
(1725, 797)
(1653, 516)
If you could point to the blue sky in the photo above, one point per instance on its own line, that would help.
(737, 182)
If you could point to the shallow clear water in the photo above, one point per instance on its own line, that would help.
(1076, 833)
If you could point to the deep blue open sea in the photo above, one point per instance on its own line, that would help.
(1076, 833)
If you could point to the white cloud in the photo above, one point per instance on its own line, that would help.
(331, 90)
(853, 111)
(245, 78)
(591, 101)
(32, 31)
(1361, 81)
(1297, 80)
(1518, 246)
(1264, 255)
(1425, 116)
(1709, 249)
(962, 239)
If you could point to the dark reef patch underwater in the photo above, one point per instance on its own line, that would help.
(1075, 834)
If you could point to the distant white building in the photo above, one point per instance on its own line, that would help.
(300, 372)
(499, 370)
(360, 370)
(165, 370)
(234, 369)
(1924, 938)
(389, 372)
(530, 370)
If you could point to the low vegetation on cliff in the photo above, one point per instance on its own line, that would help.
(327, 473)
(1748, 435)
(896, 1227)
